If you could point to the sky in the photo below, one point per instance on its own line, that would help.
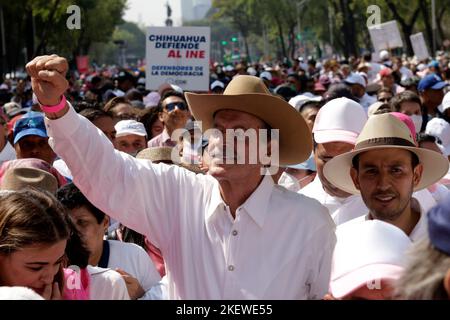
(152, 12)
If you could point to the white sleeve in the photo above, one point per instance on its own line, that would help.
(143, 196)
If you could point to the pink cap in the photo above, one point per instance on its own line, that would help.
(340, 120)
(366, 251)
(408, 121)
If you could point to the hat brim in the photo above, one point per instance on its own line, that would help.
(354, 280)
(337, 170)
(439, 85)
(29, 132)
(295, 140)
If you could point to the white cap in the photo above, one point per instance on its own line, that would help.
(384, 54)
(266, 75)
(216, 84)
(446, 102)
(228, 68)
(340, 120)
(440, 129)
(301, 99)
(251, 71)
(366, 251)
(355, 78)
(128, 127)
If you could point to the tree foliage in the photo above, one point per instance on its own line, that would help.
(342, 24)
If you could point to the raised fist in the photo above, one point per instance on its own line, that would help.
(48, 78)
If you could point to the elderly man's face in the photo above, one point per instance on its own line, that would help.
(325, 152)
(217, 149)
(386, 180)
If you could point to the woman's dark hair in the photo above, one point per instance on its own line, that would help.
(405, 96)
(338, 90)
(114, 102)
(170, 93)
(148, 117)
(72, 198)
(76, 251)
(94, 114)
(424, 137)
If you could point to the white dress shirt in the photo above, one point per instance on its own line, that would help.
(279, 246)
(419, 231)
(340, 209)
(346, 209)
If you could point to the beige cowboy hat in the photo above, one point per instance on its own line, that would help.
(381, 132)
(249, 94)
(164, 154)
(19, 178)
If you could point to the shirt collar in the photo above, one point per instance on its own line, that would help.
(255, 206)
(165, 136)
(258, 202)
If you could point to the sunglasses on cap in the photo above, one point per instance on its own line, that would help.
(180, 105)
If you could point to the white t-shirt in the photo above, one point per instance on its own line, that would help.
(106, 284)
(132, 259)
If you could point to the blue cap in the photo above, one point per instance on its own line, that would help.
(431, 81)
(31, 124)
(439, 226)
(433, 64)
(307, 165)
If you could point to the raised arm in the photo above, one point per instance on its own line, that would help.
(141, 195)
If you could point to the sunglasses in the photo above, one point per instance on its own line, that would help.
(180, 105)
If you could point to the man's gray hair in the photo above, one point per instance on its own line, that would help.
(423, 277)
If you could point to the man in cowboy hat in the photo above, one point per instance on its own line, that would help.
(232, 234)
(386, 167)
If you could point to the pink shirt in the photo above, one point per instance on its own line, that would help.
(162, 140)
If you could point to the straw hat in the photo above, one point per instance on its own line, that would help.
(249, 94)
(164, 154)
(156, 154)
(380, 132)
(19, 178)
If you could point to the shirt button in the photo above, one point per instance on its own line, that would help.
(234, 233)
(230, 268)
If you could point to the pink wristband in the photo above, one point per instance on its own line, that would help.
(55, 108)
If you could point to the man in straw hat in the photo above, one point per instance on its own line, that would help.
(232, 234)
(386, 167)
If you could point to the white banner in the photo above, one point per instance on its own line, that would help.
(419, 46)
(385, 36)
(179, 56)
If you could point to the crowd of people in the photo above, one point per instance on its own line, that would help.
(112, 191)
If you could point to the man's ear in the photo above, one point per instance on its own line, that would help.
(418, 170)
(160, 116)
(106, 222)
(354, 176)
(447, 283)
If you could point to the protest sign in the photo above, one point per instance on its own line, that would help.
(179, 56)
(419, 46)
(385, 36)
